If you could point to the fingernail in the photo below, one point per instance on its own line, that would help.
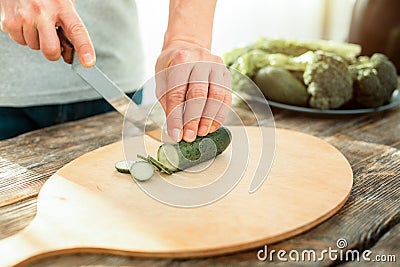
(176, 134)
(203, 130)
(88, 59)
(189, 135)
(213, 129)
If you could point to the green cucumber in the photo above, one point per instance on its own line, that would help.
(183, 155)
(142, 170)
(124, 166)
(158, 166)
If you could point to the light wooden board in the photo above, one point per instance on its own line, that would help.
(88, 206)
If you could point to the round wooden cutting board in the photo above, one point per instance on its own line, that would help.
(88, 206)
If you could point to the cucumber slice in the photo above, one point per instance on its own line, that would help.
(124, 166)
(156, 167)
(142, 170)
(172, 161)
(156, 164)
(159, 165)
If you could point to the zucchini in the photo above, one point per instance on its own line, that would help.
(278, 84)
(183, 155)
(124, 166)
(158, 166)
(142, 170)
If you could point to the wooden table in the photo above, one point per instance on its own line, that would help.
(369, 220)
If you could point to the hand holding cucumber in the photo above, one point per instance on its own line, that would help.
(194, 91)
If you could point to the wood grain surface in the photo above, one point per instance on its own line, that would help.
(369, 220)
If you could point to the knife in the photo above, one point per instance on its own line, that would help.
(111, 92)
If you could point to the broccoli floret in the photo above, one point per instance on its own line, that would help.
(375, 79)
(329, 81)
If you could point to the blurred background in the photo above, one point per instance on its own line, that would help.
(239, 22)
(375, 24)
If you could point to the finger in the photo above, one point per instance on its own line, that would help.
(48, 40)
(79, 36)
(31, 36)
(225, 108)
(175, 99)
(14, 30)
(13, 23)
(196, 99)
(216, 95)
(17, 36)
(195, 103)
(7, 15)
(222, 114)
(175, 94)
(211, 110)
(161, 88)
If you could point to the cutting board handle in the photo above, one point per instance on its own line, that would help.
(26, 246)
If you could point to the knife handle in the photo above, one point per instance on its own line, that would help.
(67, 48)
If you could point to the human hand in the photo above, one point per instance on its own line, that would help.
(34, 22)
(195, 96)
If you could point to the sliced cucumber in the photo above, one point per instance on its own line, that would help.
(158, 166)
(124, 166)
(142, 170)
(172, 161)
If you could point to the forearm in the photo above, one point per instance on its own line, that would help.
(190, 21)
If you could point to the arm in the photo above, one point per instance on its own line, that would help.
(33, 23)
(191, 22)
(193, 108)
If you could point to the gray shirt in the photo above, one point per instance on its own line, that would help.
(28, 79)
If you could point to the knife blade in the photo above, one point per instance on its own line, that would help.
(111, 92)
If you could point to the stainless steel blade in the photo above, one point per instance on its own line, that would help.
(119, 100)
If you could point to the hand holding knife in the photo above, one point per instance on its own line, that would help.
(111, 92)
(67, 49)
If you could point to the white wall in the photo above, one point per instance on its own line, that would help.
(239, 22)
(339, 19)
(153, 19)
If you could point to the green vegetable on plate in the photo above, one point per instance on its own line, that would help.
(375, 79)
(279, 85)
(329, 81)
(334, 74)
